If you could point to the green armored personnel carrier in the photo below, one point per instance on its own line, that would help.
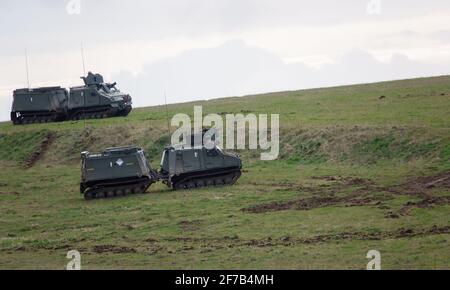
(125, 170)
(115, 172)
(96, 99)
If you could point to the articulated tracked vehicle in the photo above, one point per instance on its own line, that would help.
(125, 170)
(95, 99)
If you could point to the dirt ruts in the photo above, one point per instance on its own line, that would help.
(363, 194)
(314, 202)
(421, 186)
(206, 244)
(324, 195)
(113, 249)
(396, 234)
(40, 151)
(209, 244)
(427, 202)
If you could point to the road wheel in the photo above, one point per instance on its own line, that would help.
(219, 182)
(200, 183)
(229, 179)
(88, 196)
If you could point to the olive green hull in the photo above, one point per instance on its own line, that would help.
(115, 188)
(30, 117)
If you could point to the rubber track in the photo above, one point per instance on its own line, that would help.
(116, 191)
(206, 181)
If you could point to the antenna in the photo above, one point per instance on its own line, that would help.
(82, 59)
(84, 97)
(26, 64)
(167, 114)
(84, 93)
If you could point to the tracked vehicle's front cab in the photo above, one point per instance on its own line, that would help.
(97, 99)
(198, 167)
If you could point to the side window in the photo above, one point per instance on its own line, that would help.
(93, 94)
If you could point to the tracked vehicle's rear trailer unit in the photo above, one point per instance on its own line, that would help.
(115, 172)
(39, 105)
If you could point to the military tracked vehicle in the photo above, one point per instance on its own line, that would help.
(198, 167)
(125, 170)
(95, 99)
(115, 172)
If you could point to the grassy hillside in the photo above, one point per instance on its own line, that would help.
(361, 167)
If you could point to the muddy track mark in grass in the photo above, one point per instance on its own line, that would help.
(40, 151)
(363, 194)
(210, 244)
(99, 249)
(421, 187)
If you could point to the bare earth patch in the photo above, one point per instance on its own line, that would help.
(362, 195)
(43, 147)
(210, 244)
(112, 249)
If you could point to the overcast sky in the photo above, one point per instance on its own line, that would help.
(201, 49)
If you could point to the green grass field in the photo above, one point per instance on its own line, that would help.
(361, 167)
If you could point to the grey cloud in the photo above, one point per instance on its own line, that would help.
(443, 36)
(238, 69)
(45, 25)
(231, 69)
(5, 109)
